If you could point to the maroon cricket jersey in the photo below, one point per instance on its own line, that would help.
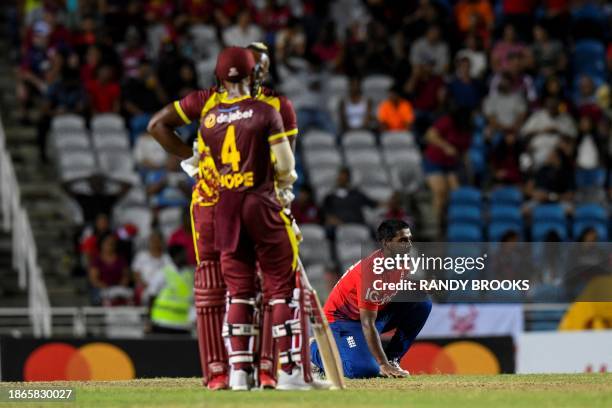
(239, 134)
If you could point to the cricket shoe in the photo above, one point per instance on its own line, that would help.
(396, 363)
(318, 379)
(240, 380)
(218, 382)
(266, 382)
(294, 381)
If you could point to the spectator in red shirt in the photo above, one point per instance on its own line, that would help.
(427, 93)
(182, 236)
(505, 160)
(107, 269)
(104, 91)
(447, 141)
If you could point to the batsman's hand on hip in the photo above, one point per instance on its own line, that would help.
(286, 196)
(387, 370)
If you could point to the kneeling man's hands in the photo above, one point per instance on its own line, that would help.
(387, 370)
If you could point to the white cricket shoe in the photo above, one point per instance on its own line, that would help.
(240, 380)
(293, 381)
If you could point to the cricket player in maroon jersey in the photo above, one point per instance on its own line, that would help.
(247, 141)
(209, 286)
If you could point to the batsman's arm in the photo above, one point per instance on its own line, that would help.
(368, 325)
(161, 127)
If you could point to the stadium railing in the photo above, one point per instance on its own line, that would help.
(15, 220)
(79, 322)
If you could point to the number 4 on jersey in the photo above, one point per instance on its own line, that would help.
(229, 152)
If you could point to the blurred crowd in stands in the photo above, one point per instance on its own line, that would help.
(483, 94)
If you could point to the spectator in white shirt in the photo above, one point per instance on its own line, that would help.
(505, 110)
(431, 47)
(148, 263)
(543, 130)
(243, 32)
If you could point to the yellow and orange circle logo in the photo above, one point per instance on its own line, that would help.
(460, 357)
(93, 361)
(210, 120)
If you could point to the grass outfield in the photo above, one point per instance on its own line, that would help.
(579, 390)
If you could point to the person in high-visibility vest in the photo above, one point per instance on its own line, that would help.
(171, 308)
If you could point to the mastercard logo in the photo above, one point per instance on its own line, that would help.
(461, 357)
(93, 361)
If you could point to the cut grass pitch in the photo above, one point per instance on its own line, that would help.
(578, 390)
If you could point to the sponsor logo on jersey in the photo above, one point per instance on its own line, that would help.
(234, 116)
(210, 120)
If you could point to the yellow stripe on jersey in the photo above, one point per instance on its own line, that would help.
(292, 239)
(181, 113)
(277, 137)
(291, 132)
(273, 101)
(194, 233)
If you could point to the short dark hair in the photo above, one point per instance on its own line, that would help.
(389, 228)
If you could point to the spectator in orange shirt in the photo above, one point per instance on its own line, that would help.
(474, 15)
(395, 113)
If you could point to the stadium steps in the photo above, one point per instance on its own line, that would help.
(41, 197)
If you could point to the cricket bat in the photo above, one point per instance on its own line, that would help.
(323, 334)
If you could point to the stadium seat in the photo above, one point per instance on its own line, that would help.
(461, 232)
(464, 214)
(579, 227)
(352, 233)
(70, 141)
(363, 157)
(317, 141)
(402, 157)
(67, 122)
(315, 248)
(377, 86)
(358, 139)
(395, 140)
(408, 177)
(467, 196)
(377, 192)
(111, 140)
(77, 160)
(506, 196)
(323, 176)
(497, 229)
(137, 196)
(541, 230)
(205, 69)
(591, 212)
(507, 214)
(114, 162)
(549, 213)
(369, 174)
(323, 158)
(593, 178)
(107, 122)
